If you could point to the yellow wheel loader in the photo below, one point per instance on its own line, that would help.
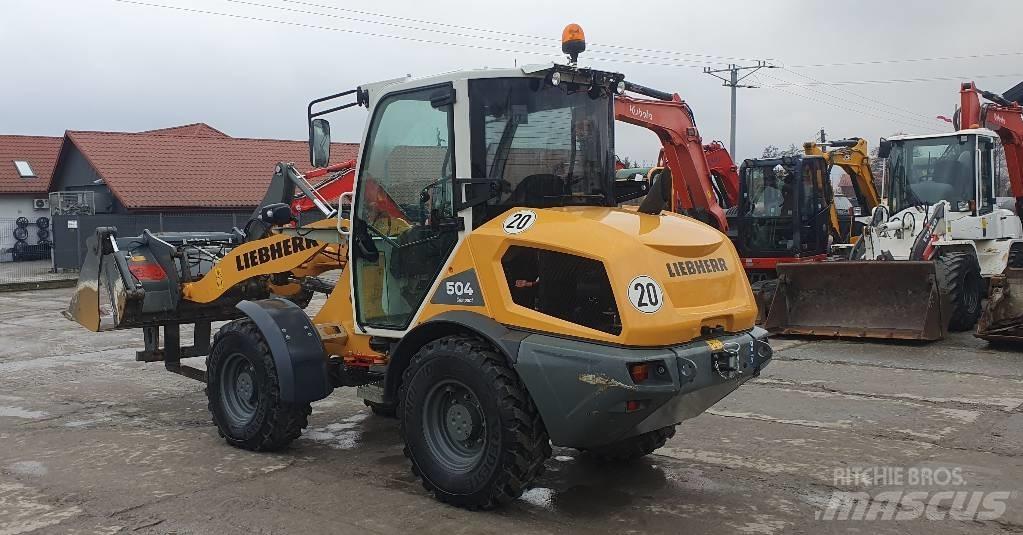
(494, 315)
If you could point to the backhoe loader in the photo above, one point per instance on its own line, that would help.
(496, 314)
(929, 252)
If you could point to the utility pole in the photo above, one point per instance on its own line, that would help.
(732, 81)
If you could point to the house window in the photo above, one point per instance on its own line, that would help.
(24, 169)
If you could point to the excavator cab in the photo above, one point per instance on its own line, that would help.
(782, 213)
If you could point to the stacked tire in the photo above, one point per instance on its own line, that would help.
(22, 250)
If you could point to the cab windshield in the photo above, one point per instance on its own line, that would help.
(925, 171)
(546, 145)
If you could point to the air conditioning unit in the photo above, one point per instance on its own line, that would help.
(41, 204)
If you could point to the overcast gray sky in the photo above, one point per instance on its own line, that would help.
(109, 65)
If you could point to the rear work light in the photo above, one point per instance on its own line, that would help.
(147, 271)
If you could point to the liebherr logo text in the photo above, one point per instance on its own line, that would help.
(640, 112)
(696, 267)
(274, 251)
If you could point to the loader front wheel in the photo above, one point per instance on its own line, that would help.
(470, 429)
(633, 447)
(960, 279)
(244, 393)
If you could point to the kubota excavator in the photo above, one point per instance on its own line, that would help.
(942, 234)
(696, 190)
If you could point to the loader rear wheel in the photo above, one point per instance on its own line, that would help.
(244, 393)
(470, 428)
(960, 279)
(633, 447)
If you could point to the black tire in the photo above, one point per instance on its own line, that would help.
(632, 447)
(382, 409)
(244, 394)
(43, 234)
(20, 233)
(960, 279)
(43, 222)
(451, 390)
(21, 222)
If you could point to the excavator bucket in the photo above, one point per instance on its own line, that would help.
(1002, 317)
(873, 299)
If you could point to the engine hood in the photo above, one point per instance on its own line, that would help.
(692, 273)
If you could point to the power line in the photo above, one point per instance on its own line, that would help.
(906, 80)
(547, 41)
(857, 95)
(903, 114)
(861, 110)
(733, 82)
(390, 36)
(906, 60)
(514, 34)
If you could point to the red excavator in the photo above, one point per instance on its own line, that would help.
(695, 190)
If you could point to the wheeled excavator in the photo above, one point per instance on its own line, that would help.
(933, 250)
(491, 291)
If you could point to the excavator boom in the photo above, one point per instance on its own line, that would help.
(1001, 320)
(693, 192)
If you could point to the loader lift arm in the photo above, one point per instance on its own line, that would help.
(682, 151)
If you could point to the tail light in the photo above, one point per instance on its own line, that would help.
(640, 372)
(147, 271)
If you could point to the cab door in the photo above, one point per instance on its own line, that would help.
(404, 225)
(815, 207)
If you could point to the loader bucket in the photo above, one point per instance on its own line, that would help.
(872, 299)
(91, 304)
(1002, 317)
(136, 282)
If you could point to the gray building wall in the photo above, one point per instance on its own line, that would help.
(74, 173)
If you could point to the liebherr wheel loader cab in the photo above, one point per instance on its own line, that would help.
(493, 295)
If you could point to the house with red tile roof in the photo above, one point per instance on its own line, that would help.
(186, 169)
(26, 163)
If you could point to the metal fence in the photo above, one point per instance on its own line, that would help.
(26, 252)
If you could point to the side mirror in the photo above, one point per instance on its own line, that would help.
(319, 142)
(884, 148)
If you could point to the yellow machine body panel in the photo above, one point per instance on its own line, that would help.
(700, 280)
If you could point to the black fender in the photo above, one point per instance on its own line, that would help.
(296, 348)
(504, 340)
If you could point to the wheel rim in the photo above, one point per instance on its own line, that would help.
(454, 425)
(238, 393)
